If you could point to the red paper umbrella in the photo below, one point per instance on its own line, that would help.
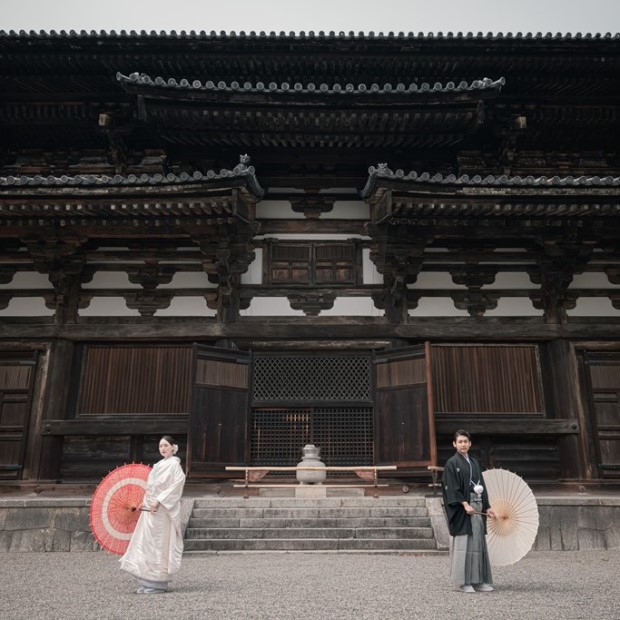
(115, 507)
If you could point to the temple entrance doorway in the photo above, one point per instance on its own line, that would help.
(262, 408)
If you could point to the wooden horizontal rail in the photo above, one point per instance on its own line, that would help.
(118, 425)
(304, 468)
(514, 424)
(288, 486)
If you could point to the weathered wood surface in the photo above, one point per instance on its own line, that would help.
(117, 425)
(510, 426)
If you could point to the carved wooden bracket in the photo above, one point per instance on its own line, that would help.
(54, 301)
(148, 302)
(474, 277)
(312, 303)
(227, 256)
(559, 261)
(312, 205)
(7, 274)
(475, 302)
(400, 261)
(5, 299)
(613, 274)
(151, 275)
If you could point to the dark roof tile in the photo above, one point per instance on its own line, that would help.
(382, 172)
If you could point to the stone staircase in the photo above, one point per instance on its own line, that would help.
(331, 524)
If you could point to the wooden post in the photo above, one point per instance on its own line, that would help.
(56, 406)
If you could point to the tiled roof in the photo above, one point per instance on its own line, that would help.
(302, 35)
(260, 87)
(382, 172)
(132, 180)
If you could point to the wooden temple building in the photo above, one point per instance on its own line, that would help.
(256, 241)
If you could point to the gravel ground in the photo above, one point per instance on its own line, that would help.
(313, 586)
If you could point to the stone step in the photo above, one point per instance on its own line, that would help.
(353, 522)
(329, 502)
(310, 533)
(310, 544)
(309, 513)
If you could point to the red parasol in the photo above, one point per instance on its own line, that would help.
(115, 507)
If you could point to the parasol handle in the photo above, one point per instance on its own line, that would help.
(484, 514)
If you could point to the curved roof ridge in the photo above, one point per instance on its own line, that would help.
(99, 180)
(383, 172)
(143, 79)
(193, 34)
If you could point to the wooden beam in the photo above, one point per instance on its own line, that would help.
(118, 425)
(515, 424)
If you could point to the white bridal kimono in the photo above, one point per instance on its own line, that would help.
(156, 546)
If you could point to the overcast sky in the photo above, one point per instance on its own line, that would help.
(564, 16)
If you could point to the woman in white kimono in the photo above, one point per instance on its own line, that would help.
(156, 546)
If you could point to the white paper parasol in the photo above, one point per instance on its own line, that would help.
(511, 535)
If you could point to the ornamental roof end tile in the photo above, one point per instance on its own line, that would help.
(305, 36)
(141, 79)
(383, 172)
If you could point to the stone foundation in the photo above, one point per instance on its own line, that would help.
(568, 523)
(578, 523)
(45, 525)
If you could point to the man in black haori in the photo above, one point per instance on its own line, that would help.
(464, 499)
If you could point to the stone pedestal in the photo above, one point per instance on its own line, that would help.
(306, 491)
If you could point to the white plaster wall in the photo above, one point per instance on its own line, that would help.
(254, 274)
(514, 306)
(189, 279)
(28, 279)
(110, 279)
(26, 306)
(370, 275)
(596, 279)
(270, 306)
(187, 306)
(108, 306)
(342, 210)
(594, 306)
(353, 306)
(435, 280)
(277, 210)
(436, 306)
(512, 279)
(348, 210)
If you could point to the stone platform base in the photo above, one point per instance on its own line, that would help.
(571, 522)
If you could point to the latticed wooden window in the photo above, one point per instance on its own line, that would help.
(486, 379)
(313, 263)
(135, 379)
(317, 398)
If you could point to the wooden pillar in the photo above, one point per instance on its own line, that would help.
(56, 406)
(563, 401)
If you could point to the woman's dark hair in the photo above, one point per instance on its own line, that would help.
(459, 433)
(170, 440)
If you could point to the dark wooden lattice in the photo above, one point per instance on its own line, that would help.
(344, 434)
(282, 421)
(316, 377)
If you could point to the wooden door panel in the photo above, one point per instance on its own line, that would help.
(218, 420)
(603, 384)
(404, 422)
(16, 386)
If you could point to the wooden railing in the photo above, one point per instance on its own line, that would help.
(254, 475)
